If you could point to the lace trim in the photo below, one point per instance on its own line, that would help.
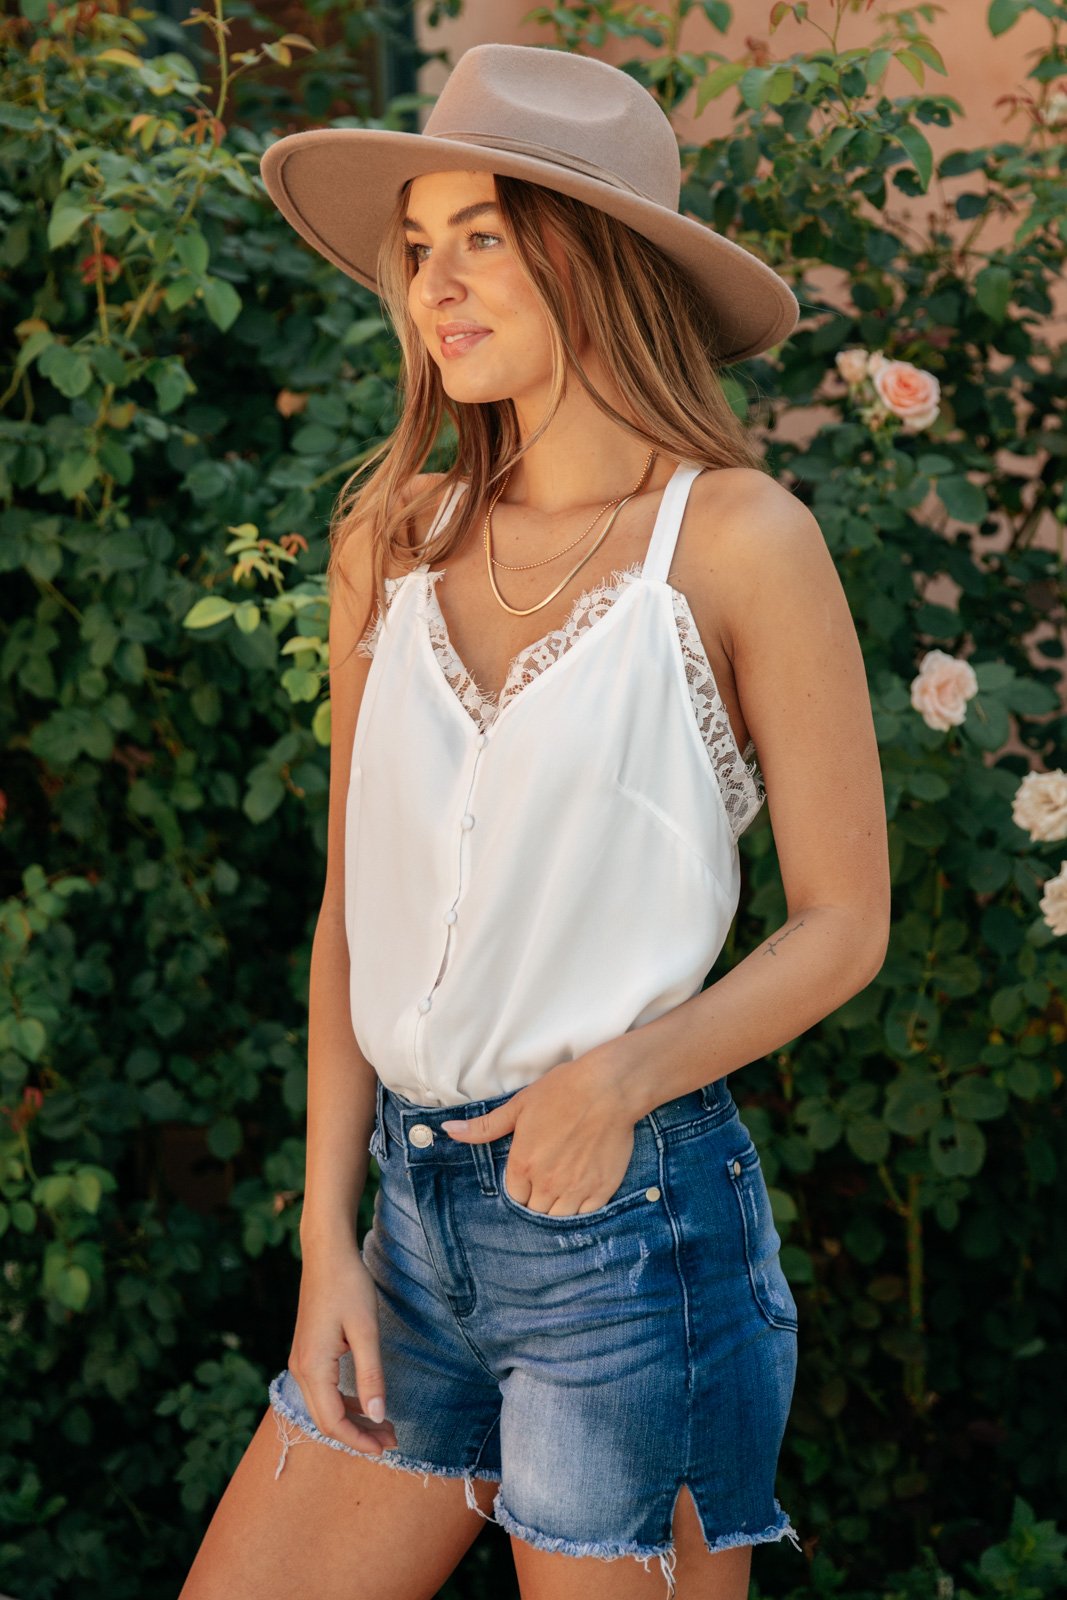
(737, 772)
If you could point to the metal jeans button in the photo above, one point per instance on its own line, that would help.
(420, 1134)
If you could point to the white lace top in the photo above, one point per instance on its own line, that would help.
(529, 878)
(737, 772)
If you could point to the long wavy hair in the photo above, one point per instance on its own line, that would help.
(653, 330)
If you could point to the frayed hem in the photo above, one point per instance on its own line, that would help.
(781, 1529)
(602, 1549)
(285, 1417)
(666, 1554)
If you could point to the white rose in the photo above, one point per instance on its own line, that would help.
(852, 365)
(1053, 902)
(1056, 108)
(1040, 805)
(942, 688)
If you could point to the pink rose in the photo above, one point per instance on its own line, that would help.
(910, 393)
(941, 691)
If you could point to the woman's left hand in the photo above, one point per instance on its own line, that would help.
(572, 1142)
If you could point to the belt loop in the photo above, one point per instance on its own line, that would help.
(718, 1098)
(379, 1139)
(711, 1095)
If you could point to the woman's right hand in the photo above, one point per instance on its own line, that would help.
(338, 1312)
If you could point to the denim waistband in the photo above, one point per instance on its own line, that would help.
(397, 1119)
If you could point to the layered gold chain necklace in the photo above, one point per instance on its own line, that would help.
(490, 560)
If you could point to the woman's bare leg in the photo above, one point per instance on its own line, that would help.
(331, 1527)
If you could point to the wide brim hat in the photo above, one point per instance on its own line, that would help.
(568, 122)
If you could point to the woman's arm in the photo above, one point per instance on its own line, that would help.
(341, 1082)
(338, 1309)
(802, 684)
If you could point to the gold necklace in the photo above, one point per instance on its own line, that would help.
(524, 611)
(524, 566)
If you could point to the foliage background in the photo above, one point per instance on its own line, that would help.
(184, 388)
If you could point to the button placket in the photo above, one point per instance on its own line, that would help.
(451, 916)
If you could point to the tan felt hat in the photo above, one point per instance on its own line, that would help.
(567, 122)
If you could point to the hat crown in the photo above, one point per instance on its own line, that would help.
(578, 112)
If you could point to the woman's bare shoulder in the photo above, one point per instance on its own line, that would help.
(354, 554)
(416, 488)
(752, 538)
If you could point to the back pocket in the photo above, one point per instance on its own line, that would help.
(762, 1243)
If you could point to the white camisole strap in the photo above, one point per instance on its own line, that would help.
(672, 506)
(448, 504)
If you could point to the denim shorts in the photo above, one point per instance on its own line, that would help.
(589, 1364)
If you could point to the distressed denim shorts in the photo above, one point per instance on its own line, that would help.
(589, 1364)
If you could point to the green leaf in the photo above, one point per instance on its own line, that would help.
(718, 81)
(66, 219)
(320, 724)
(838, 139)
(977, 1099)
(876, 64)
(68, 370)
(77, 470)
(222, 302)
(73, 1287)
(88, 1190)
(28, 1037)
(918, 149)
(913, 1102)
(962, 499)
(868, 1139)
(928, 53)
(246, 616)
(781, 87)
(1004, 14)
(265, 794)
(756, 86)
(224, 1138)
(957, 1148)
(988, 726)
(211, 609)
(992, 290)
(192, 251)
(909, 60)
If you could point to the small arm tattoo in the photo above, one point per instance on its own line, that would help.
(770, 950)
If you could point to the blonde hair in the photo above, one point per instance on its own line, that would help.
(653, 330)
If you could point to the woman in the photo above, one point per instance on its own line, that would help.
(569, 1315)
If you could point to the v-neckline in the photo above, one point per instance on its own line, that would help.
(634, 575)
(500, 707)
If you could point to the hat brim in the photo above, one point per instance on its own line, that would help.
(338, 186)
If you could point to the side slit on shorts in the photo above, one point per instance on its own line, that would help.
(589, 1364)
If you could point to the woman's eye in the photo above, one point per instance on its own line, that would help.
(477, 240)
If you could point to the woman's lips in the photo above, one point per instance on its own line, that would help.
(452, 348)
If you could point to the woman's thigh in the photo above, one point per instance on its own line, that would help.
(331, 1527)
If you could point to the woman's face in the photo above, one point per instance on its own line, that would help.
(473, 306)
